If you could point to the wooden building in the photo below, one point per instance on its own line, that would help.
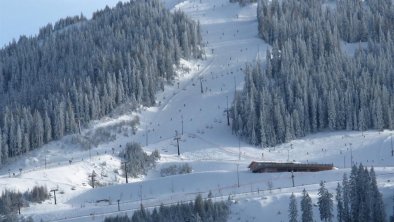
(270, 167)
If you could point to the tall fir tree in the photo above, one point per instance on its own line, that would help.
(377, 212)
(306, 207)
(339, 199)
(293, 211)
(346, 199)
(325, 203)
(392, 217)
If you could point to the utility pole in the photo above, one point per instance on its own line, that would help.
(182, 123)
(392, 149)
(92, 176)
(19, 207)
(238, 174)
(239, 149)
(239, 159)
(177, 138)
(54, 194)
(202, 89)
(141, 194)
(125, 170)
(292, 177)
(228, 117)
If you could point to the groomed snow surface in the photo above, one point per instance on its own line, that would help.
(207, 143)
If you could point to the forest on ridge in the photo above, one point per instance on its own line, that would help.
(309, 83)
(79, 70)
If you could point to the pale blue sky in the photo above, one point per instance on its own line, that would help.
(25, 17)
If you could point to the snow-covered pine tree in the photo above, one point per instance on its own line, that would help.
(339, 199)
(355, 197)
(306, 207)
(362, 200)
(293, 211)
(392, 217)
(378, 213)
(366, 207)
(325, 203)
(1, 149)
(346, 199)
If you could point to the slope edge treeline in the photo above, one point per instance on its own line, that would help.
(309, 83)
(79, 70)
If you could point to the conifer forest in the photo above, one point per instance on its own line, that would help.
(309, 83)
(79, 70)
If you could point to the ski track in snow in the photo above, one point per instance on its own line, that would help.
(207, 143)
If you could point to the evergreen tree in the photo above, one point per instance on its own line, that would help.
(340, 208)
(377, 212)
(199, 206)
(355, 193)
(325, 203)
(293, 212)
(362, 200)
(346, 199)
(1, 149)
(306, 207)
(213, 211)
(392, 217)
(138, 161)
(47, 128)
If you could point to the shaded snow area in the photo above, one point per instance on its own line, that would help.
(207, 143)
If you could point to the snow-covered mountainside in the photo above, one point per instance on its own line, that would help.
(195, 107)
